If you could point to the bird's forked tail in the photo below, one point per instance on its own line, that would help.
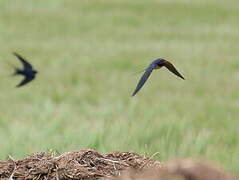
(16, 70)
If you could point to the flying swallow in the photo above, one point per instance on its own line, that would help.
(156, 64)
(28, 72)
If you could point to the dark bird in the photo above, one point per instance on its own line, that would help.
(28, 72)
(156, 64)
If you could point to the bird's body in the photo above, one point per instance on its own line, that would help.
(28, 72)
(156, 64)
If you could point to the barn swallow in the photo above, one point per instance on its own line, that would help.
(28, 72)
(156, 64)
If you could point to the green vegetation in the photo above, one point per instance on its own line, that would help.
(87, 52)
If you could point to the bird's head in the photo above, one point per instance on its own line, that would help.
(159, 60)
(157, 63)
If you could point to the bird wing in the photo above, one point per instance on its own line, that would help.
(143, 79)
(26, 80)
(171, 68)
(26, 64)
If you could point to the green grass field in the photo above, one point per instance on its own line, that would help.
(87, 53)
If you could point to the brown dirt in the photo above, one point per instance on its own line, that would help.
(183, 169)
(83, 164)
(89, 165)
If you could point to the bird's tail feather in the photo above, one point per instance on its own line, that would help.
(16, 70)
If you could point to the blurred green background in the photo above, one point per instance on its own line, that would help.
(87, 52)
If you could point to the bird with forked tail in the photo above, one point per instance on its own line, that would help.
(156, 64)
(28, 72)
